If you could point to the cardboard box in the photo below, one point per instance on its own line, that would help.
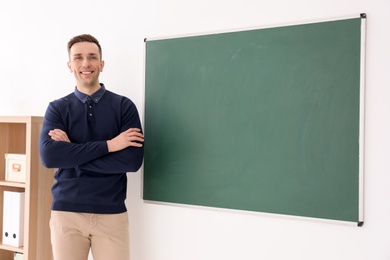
(15, 167)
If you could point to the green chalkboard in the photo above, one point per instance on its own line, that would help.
(264, 120)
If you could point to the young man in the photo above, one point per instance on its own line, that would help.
(93, 136)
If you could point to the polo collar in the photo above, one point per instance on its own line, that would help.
(95, 96)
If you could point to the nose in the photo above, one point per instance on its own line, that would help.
(85, 62)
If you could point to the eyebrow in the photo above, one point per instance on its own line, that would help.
(89, 54)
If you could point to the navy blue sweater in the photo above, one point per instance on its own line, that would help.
(89, 178)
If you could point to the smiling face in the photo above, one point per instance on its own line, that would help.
(86, 64)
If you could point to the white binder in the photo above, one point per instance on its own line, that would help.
(13, 218)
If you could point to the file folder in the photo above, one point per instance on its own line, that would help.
(13, 218)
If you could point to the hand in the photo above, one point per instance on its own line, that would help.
(59, 135)
(130, 137)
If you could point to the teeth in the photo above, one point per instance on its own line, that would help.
(86, 72)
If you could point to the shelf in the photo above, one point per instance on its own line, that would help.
(12, 248)
(20, 135)
(13, 184)
(21, 119)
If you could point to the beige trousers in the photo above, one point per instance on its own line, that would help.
(74, 234)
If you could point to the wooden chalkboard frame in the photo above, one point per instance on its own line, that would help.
(165, 176)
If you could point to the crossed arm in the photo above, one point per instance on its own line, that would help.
(123, 153)
(131, 137)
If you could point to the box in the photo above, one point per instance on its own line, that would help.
(18, 256)
(13, 218)
(15, 167)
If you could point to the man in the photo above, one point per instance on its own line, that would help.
(93, 136)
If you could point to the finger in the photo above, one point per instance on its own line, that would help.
(135, 144)
(136, 136)
(133, 130)
(53, 134)
(55, 138)
(137, 140)
(58, 135)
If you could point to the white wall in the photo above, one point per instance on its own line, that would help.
(33, 37)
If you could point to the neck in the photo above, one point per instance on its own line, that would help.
(88, 90)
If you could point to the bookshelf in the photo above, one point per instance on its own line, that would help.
(19, 135)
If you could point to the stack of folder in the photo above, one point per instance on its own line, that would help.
(13, 218)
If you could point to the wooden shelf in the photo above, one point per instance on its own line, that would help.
(11, 248)
(21, 119)
(20, 135)
(13, 184)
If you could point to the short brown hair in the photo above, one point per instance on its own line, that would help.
(84, 38)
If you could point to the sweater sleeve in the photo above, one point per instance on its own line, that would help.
(58, 154)
(126, 160)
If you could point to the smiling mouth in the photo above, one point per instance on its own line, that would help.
(86, 72)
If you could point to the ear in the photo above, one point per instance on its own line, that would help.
(70, 67)
(101, 65)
